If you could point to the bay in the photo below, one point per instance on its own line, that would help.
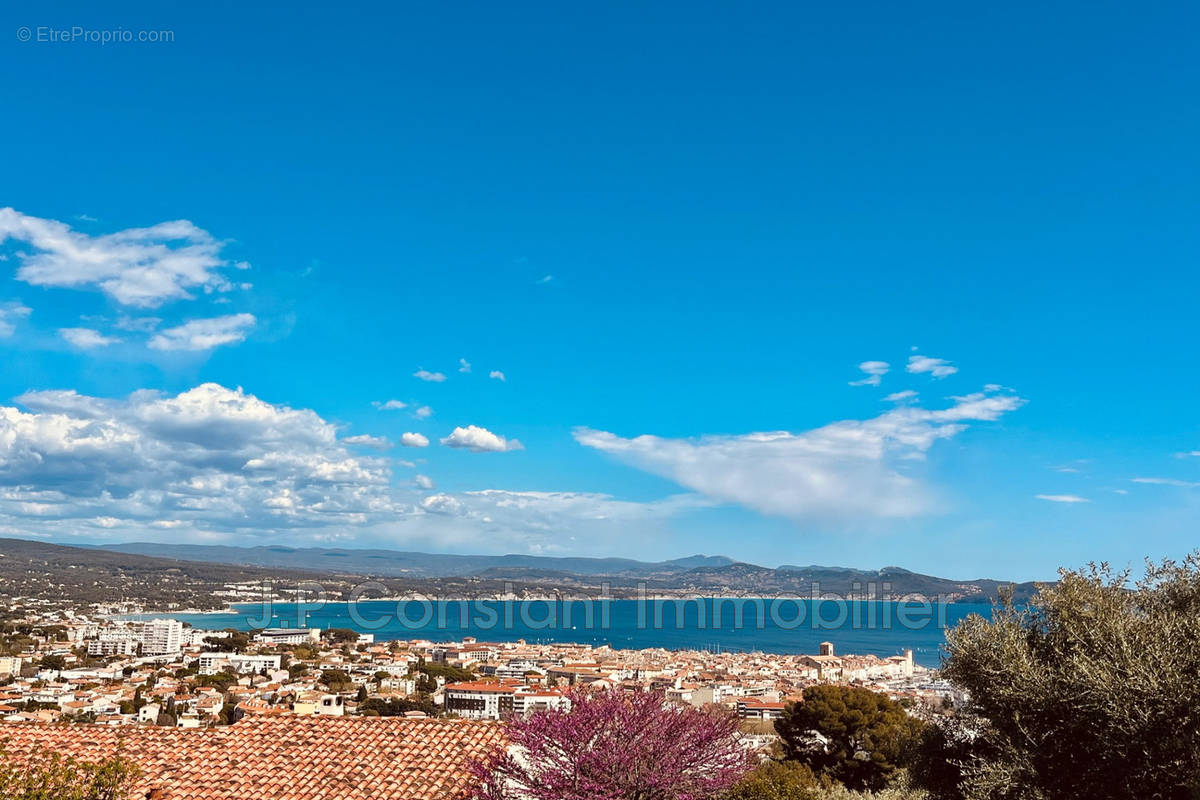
(773, 625)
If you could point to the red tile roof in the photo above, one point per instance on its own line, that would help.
(501, 687)
(280, 758)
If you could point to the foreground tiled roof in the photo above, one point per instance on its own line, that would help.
(283, 758)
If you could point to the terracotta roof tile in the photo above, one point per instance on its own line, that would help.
(286, 758)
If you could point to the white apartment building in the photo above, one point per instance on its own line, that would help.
(517, 669)
(10, 665)
(161, 637)
(126, 646)
(480, 699)
(288, 636)
(196, 636)
(758, 708)
(532, 700)
(491, 700)
(212, 663)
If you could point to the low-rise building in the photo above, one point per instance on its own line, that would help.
(212, 663)
(288, 636)
(481, 699)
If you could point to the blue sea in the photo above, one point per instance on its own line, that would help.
(717, 624)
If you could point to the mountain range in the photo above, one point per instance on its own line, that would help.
(699, 574)
(398, 563)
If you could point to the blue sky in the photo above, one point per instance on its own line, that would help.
(677, 231)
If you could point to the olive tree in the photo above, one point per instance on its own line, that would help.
(1089, 692)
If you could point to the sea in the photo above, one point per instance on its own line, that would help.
(770, 625)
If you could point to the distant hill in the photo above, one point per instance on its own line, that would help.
(843, 581)
(87, 575)
(697, 574)
(413, 565)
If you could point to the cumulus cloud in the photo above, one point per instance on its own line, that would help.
(937, 367)
(141, 267)
(414, 440)
(464, 365)
(424, 412)
(366, 440)
(211, 457)
(480, 440)
(497, 375)
(217, 464)
(86, 338)
(426, 375)
(205, 334)
(1063, 498)
(874, 370)
(849, 470)
(10, 313)
(390, 405)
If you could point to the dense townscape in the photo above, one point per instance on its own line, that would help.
(68, 667)
(1037, 698)
(599, 401)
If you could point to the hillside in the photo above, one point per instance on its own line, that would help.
(843, 582)
(691, 575)
(410, 564)
(53, 572)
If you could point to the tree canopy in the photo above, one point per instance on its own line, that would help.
(1090, 692)
(341, 635)
(51, 776)
(615, 746)
(853, 735)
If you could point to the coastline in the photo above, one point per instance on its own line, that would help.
(233, 608)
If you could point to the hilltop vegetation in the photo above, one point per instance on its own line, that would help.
(691, 575)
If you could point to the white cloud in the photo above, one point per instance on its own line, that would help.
(545, 279)
(849, 470)
(549, 513)
(426, 375)
(1190, 454)
(210, 457)
(937, 367)
(1169, 482)
(900, 397)
(10, 313)
(86, 338)
(875, 370)
(136, 324)
(423, 482)
(497, 374)
(205, 334)
(424, 412)
(219, 465)
(1063, 498)
(142, 267)
(464, 365)
(414, 440)
(480, 440)
(390, 405)
(366, 440)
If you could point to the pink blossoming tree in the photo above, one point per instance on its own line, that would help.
(615, 746)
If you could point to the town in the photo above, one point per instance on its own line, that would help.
(65, 667)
